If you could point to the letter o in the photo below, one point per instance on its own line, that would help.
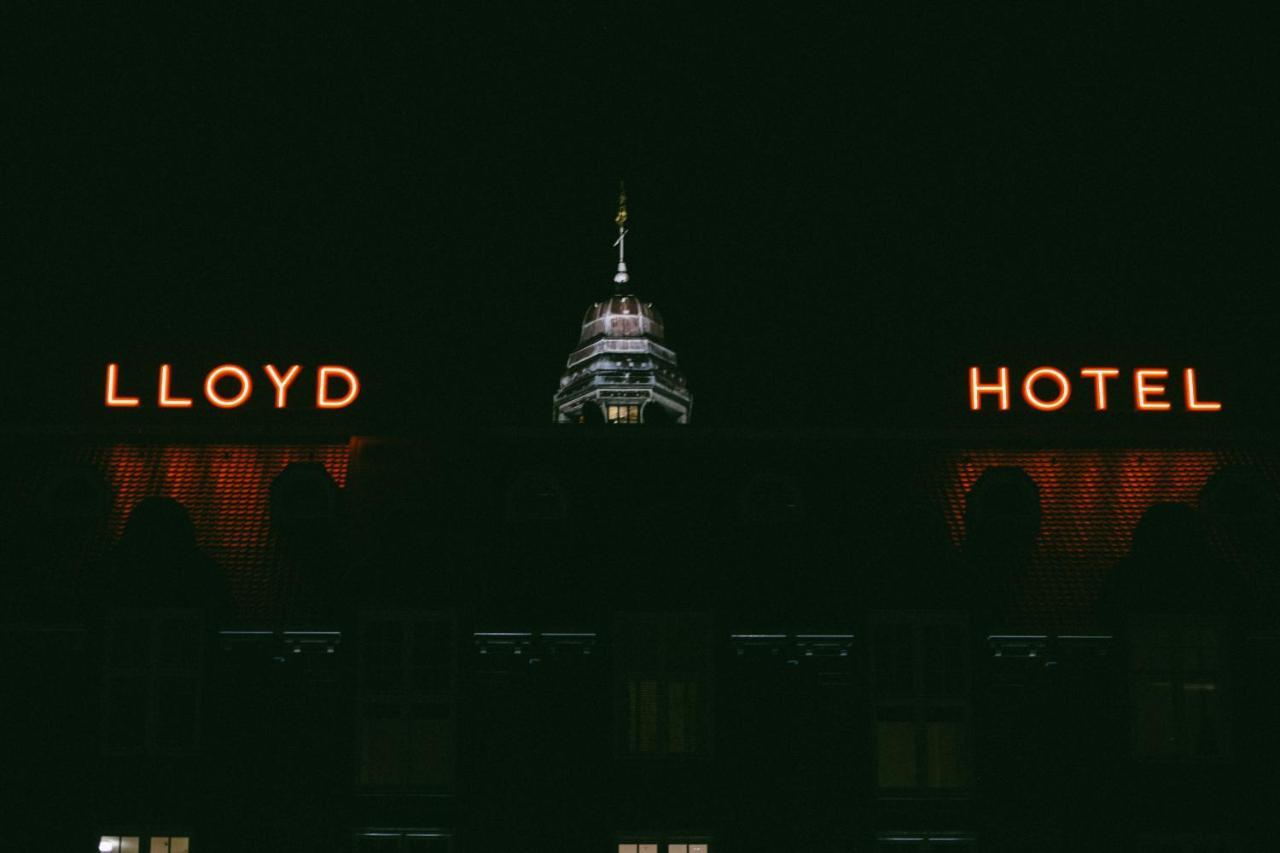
(211, 381)
(1064, 388)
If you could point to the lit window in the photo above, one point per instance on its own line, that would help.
(151, 680)
(664, 676)
(1176, 690)
(407, 701)
(626, 414)
(170, 844)
(920, 681)
(144, 844)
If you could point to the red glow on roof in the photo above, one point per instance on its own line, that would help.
(226, 489)
(1091, 501)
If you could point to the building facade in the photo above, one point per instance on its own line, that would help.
(584, 638)
(801, 641)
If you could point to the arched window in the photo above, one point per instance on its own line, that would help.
(771, 497)
(535, 495)
(303, 494)
(74, 493)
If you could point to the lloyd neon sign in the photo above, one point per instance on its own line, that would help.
(230, 386)
(1149, 389)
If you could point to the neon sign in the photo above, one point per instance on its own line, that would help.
(229, 386)
(1047, 389)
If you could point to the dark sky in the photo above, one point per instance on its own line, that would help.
(836, 211)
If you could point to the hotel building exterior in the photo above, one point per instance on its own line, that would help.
(602, 635)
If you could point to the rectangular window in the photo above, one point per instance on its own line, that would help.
(625, 414)
(407, 701)
(664, 684)
(151, 682)
(653, 846)
(920, 683)
(144, 844)
(1176, 690)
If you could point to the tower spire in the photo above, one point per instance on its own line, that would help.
(621, 277)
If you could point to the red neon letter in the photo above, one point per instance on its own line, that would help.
(1064, 388)
(976, 389)
(211, 381)
(282, 383)
(113, 399)
(1100, 376)
(1193, 405)
(1141, 388)
(323, 400)
(167, 402)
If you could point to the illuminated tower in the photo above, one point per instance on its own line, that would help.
(621, 372)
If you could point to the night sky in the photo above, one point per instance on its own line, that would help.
(837, 211)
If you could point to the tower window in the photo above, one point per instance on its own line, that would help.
(625, 414)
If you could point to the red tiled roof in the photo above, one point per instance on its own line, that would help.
(1091, 501)
(226, 490)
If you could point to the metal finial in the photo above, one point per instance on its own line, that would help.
(621, 277)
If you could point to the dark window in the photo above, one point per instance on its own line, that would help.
(407, 701)
(151, 682)
(664, 677)
(535, 496)
(772, 498)
(1176, 689)
(920, 681)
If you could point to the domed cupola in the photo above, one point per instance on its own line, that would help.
(621, 365)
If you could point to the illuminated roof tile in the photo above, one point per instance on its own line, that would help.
(1091, 501)
(226, 489)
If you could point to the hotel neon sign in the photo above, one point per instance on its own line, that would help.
(1148, 384)
(229, 386)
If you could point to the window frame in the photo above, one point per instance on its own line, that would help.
(622, 413)
(145, 839)
(664, 675)
(155, 673)
(405, 697)
(1178, 675)
(920, 701)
